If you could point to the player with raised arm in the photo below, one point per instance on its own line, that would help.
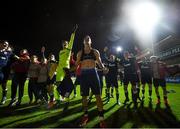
(63, 79)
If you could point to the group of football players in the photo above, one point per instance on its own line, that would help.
(89, 70)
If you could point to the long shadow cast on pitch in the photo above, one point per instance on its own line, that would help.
(144, 116)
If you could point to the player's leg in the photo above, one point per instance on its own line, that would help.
(101, 80)
(90, 97)
(68, 83)
(163, 84)
(45, 91)
(51, 88)
(51, 92)
(75, 94)
(22, 79)
(5, 73)
(149, 82)
(138, 85)
(111, 80)
(100, 110)
(134, 89)
(84, 87)
(30, 90)
(40, 93)
(106, 82)
(108, 85)
(85, 117)
(156, 85)
(134, 94)
(117, 95)
(112, 91)
(59, 78)
(150, 91)
(4, 91)
(143, 91)
(96, 89)
(1, 80)
(14, 86)
(143, 82)
(108, 92)
(115, 85)
(126, 82)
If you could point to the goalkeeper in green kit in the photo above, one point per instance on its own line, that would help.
(63, 79)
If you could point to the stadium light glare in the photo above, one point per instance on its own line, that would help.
(119, 49)
(144, 16)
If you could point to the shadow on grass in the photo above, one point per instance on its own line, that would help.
(54, 119)
(25, 109)
(143, 117)
(92, 114)
(12, 122)
(168, 116)
(15, 111)
(72, 123)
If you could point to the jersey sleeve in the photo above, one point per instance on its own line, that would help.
(70, 45)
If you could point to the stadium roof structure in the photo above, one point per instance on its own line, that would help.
(168, 50)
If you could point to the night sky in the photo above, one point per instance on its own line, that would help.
(31, 24)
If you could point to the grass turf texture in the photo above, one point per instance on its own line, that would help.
(147, 116)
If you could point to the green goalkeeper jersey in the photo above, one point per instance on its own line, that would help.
(64, 59)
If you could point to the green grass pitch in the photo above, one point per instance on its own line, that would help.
(123, 116)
